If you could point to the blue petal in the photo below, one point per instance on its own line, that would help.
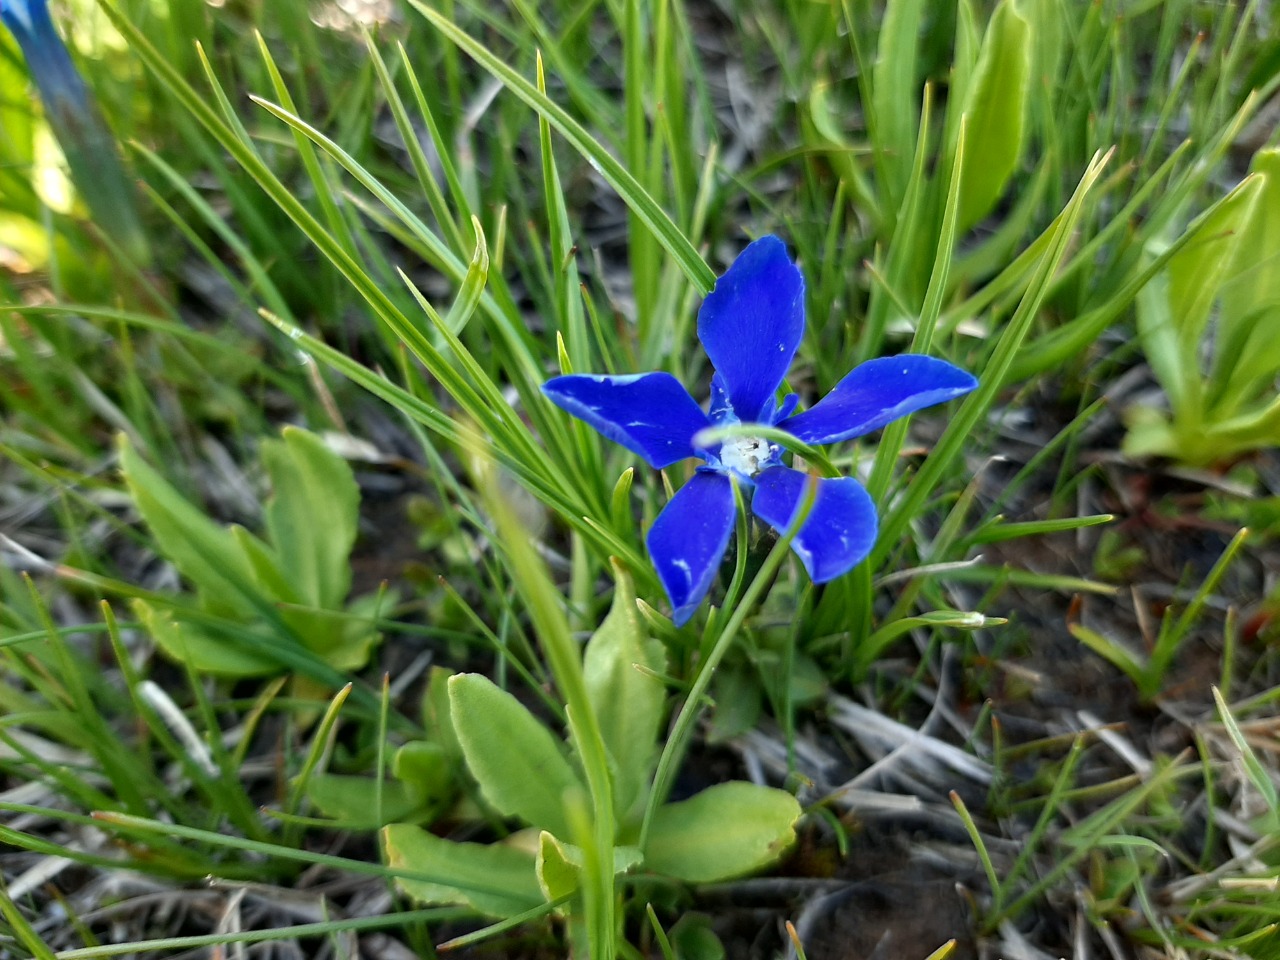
(751, 324)
(650, 414)
(689, 538)
(840, 529)
(773, 412)
(878, 392)
(720, 409)
(51, 68)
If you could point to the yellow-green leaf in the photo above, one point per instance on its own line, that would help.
(187, 643)
(996, 109)
(496, 879)
(621, 666)
(724, 831)
(312, 515)
(518, 763)
(558, 876)
(204, 552)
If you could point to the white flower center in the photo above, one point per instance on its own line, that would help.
(743, 454)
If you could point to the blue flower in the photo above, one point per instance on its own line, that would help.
(73, 116)
(751, 325)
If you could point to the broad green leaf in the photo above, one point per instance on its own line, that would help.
(204, 552)
(496, 879)
(187, 643)
(996, 109)
(1246, 356)
(312, 515)
(724, 831)
(341, 641)
(1173, 308)
(426, 771)
(435, 713)
(354, 632)
(621, 666)
(353, 801)
(268, 575)
(1199, 269)
(896, 94)
(518, 763)
(739, 700)
(1050, 29)
(1247, 349)
(693, 939)
(1252, 430)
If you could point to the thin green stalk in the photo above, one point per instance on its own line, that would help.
(682, 729)
(25, 933)
(324, 928)
(975, 835)
(896, 433)
(564, 657)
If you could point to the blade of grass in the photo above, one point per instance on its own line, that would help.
(627, 186)
(324, 928)
(978, 403)
(562, 653)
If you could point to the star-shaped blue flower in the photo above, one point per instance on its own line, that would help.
(751, 325)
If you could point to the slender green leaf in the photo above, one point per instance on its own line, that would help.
(629, 189)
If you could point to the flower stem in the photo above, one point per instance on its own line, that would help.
(682, 729)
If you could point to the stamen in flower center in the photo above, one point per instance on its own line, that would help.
(745, 454)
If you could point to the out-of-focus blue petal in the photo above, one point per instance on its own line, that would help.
(751, 324)
(60, 85)
(650, 414)
(689, 538)
(878, 392)
(840, 529)
(86, 141)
